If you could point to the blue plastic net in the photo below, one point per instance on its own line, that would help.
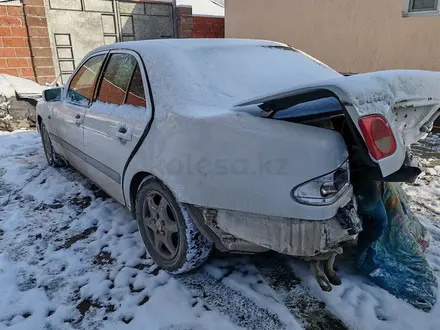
(392, 244)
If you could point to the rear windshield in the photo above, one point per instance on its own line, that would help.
(244, 72)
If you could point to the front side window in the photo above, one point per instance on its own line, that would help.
(83, 83)
(117, 77)
(423, 5)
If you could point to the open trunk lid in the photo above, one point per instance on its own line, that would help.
(408, 100)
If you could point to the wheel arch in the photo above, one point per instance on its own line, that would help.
(136, 182)
(39, 122)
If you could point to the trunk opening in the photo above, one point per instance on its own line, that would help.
(324, 110)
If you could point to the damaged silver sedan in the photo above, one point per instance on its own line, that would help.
(244, 145)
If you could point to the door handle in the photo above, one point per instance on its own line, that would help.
(79, 119)
(123, 133)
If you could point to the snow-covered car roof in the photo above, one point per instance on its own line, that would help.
(214, 74)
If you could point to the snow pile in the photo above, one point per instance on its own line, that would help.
(17, 113)
(9, 85)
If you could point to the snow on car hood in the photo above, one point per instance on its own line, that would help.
(9, 85)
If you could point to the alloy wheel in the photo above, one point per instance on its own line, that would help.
(160, 224)
(46, 145)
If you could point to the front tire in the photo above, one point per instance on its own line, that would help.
(169, 234)
(53, 159)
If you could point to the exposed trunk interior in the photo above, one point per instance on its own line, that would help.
(322, 109)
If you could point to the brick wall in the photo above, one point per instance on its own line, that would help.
(190, 26)
(24, 42)
(35, 16)
(208, 27)
(15, 57)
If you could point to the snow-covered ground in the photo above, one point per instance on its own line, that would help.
(72, 258)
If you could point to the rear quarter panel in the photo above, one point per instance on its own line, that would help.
(239, 162)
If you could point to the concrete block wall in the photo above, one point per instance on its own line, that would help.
(185, 22)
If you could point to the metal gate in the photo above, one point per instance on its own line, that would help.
(78, 26)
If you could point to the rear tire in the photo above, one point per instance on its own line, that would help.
(53, 159)
(169, 234)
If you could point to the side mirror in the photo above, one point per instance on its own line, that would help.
(52, 94)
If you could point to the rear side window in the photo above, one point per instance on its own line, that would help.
(136, 95)
(83, 83)
(117, 77)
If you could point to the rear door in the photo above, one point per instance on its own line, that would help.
(116, 120)
(68, 115)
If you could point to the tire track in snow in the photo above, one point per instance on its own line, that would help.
(295, 295)
(259, 292)
(214, 294)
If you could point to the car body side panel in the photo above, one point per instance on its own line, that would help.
(106, 152)
(69, 133)
(44, 110)
(240, 162)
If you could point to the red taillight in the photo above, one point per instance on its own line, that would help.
(378, 136)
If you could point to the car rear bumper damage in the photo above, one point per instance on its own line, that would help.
(246, 232)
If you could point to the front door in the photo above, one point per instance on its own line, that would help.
(116, 120)
(68, 115)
